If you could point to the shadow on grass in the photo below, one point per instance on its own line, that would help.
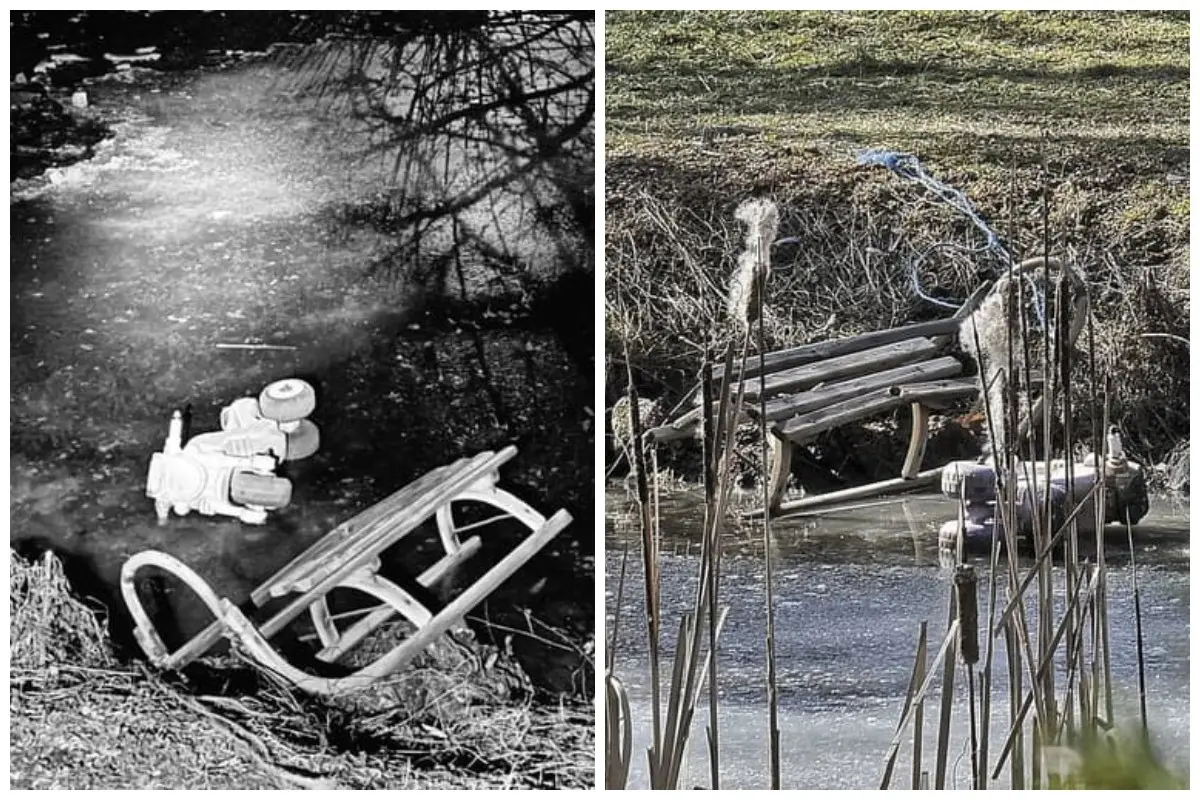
(1103, 92)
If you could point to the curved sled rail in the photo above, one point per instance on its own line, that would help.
(143, 629)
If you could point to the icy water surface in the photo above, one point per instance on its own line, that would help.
(851, 590)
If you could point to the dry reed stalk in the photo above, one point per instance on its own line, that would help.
(649, 556)
(916, 678)
(762, 217)
(948, 642)
(692, 661)
(1046, 716)
(707, 436)
(918, 774)
(988, 659)
(1137, 616)
(48, 626)
(618, 722)
(1102, 623)
(1062, 347)
(1014, 706)
(942, 752)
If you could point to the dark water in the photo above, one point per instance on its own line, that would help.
(214, 216)
(851, 591)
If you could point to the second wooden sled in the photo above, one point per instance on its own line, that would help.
(811, 388)
(348, 557)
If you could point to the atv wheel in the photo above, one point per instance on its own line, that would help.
(265, 491)
(302, 442)
(287, 400)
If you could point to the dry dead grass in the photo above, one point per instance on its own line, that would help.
(461, 718)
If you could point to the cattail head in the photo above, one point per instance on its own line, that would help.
(754, 264)
(762, 218)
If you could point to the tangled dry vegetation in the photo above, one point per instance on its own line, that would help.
(80, 718)
(670, 245)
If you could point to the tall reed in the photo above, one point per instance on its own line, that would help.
(696, 645)
(1059, 674)
(698, 634)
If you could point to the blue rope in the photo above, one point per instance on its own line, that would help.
(909, 167)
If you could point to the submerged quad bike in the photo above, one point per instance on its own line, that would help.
(232, 471)
(974, 486)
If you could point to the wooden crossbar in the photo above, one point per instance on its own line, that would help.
(820, 351)
(805, 426)
(879, 488)
(790, 405)
(876, 359)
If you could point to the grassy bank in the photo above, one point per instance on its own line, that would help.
(81, 718)
(705, 109)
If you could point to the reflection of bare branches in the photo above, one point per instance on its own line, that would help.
(486, 121)
(517, 100)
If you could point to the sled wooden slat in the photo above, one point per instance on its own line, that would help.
(804, 427)
(790, 405)
(819, 351)
(327, 547)
(934, 392)
(852, 365)
(358, 541)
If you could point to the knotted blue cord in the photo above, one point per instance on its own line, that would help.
(909, 167)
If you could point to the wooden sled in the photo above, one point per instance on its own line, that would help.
(816, 387)
(348, 557)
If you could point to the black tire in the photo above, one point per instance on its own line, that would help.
(287, 400)
(302, 442)
(266, 491)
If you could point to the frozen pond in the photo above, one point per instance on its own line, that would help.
(851, 590)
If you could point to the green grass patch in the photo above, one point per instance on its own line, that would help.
(913, 78)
